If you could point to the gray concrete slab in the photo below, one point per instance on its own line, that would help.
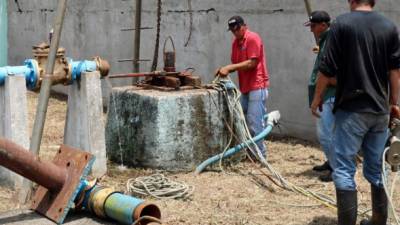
(13, 122)
(23, 217)
(84, 127)
(168, 130)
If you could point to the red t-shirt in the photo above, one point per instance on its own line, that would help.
(250, 47)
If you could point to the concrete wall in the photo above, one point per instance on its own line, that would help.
(93, 28)
(3, 33)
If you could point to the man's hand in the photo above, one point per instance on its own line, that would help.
(394, 111)
(223, 71)
(315, 105)
(394, 114)
(315, 49)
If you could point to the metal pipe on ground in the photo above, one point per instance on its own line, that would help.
(107, 203)
(62, 183)
(59, 181)
(26, 164)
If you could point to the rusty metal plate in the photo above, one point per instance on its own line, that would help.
(55, 206)
(192, 80)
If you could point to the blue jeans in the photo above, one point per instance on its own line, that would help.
(254, 108)
(355, 131)
(325, 127)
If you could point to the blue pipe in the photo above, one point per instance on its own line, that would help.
(272, 119)
(121, 207)
(30, 71)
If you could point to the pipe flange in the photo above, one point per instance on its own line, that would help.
(81, 198)
(146, 209)
(102, 65)
(33, 80)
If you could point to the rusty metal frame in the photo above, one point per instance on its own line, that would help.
(55, 206)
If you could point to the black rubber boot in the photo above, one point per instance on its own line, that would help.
(326, 177)
(323, 167)
(347, 207)
(379, 207)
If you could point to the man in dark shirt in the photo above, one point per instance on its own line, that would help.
(363, 52)
(319, 22)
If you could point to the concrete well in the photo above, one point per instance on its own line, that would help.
(167, 130)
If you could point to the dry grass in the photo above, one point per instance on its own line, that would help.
(234, 197)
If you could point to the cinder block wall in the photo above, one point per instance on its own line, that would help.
(93, 28)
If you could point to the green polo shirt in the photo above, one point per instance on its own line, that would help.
(330, 91)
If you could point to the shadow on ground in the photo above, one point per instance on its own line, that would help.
(323, 220)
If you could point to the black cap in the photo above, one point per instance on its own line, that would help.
(235, 22)
(318, 17)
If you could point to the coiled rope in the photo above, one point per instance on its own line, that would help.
(158, 186)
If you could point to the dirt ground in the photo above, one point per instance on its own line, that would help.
(238, 196)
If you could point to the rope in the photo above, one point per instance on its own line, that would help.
(243, 133)
(157, 45)
(389, 192)
(149, 218)
(159, 187)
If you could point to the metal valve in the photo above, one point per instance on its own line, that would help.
(393, 153)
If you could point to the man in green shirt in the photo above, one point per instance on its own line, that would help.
(319, 23)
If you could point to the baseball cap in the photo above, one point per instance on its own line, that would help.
(235, 22)
(318, 17)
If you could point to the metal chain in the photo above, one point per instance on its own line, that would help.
(190, 22)
(157, 44)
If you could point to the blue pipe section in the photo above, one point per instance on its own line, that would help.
(117, 206)
(271, 121)
(31, 73)
(28, 70)
(121, 207)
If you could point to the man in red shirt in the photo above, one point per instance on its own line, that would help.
(248, 59)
